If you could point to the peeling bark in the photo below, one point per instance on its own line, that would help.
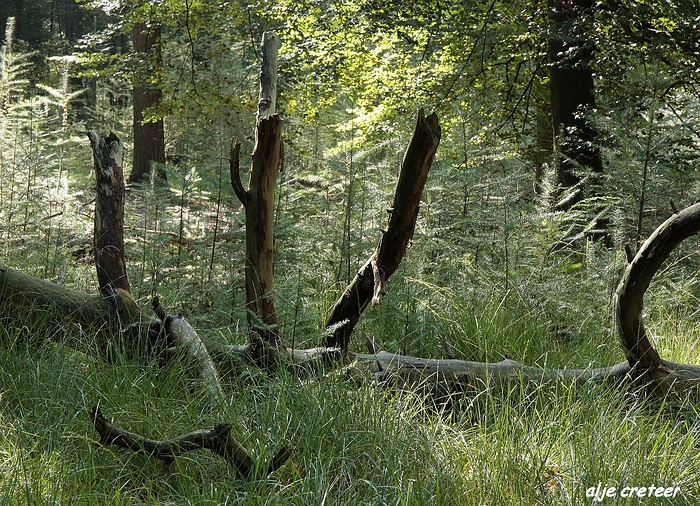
(108, 155)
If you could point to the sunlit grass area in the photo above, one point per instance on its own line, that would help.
(353, 443)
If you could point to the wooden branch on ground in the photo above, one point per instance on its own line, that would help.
(116, 318)
(108, 154)
(185, 338)
(448, 376)
(368, 284)
(220, 440)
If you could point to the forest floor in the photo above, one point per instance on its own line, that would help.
(354, 442)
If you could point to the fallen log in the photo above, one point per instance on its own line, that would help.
(442, 377)
(220, 440)
(113, 317)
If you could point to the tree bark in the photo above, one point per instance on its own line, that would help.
(149, 138)
(267, 100)
(570, 52)
(109, 312)
(259, 200)
(369, 282)
(108, 235)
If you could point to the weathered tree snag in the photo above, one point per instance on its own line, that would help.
(369, 282)
(259, 200)
(431, 376)
(220, 440)
(267, 100)
(628, 299)
(108, 155)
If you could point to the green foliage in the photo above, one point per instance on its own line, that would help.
(494, 269)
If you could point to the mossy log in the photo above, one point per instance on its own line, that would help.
(110, 311)
(115, 318)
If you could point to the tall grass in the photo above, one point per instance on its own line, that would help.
(353, 444)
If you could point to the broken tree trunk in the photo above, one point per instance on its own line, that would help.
(267, 99)
(108, 155)
(259, 200)
(220, 440)
(369, 282)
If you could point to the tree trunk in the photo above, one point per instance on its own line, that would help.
(572, 94)
(369, 282)
(149, 138)
(267, 99)
(259, 200)
(110, 261)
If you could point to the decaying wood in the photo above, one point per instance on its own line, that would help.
(443, 377)
(629, 296)
(108, 155)
(220, 440)
(267, 100)
(114, 315)
(259, 200)
(643, 365)
(183, 337)
(368, 284)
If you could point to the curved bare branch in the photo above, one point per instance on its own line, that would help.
(629, 296)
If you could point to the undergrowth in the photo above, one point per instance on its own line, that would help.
(352, 444)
